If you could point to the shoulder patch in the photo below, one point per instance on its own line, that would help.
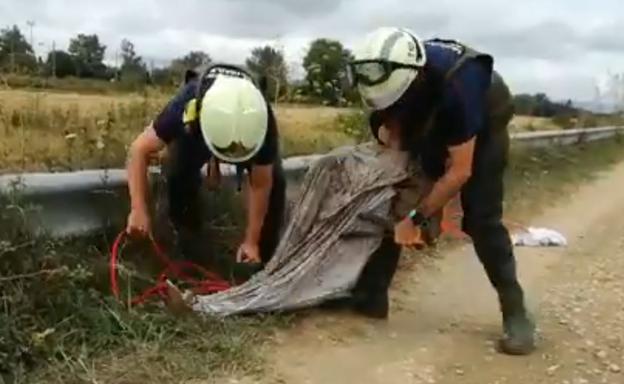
(190, 112)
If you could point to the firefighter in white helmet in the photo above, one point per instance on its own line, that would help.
(444, 103)
(219, 114)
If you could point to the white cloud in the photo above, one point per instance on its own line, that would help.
(557, 46)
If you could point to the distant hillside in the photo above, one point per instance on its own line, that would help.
(599, 107)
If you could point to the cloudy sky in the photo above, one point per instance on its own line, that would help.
(561, 47)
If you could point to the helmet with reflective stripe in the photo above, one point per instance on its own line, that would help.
(385, 64)
(233, 116)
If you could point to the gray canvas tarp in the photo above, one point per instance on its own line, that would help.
(314, 262)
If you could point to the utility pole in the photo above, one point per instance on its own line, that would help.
(53, 59)
(12, 55)
(31, 24)
(278, 67)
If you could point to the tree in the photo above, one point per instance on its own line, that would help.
(326, 67)
(269, 62)
(88, 55)
(163, 76)
(60, 64)
(192, 60)
(16, 54)
(540, 105)
(133, 70)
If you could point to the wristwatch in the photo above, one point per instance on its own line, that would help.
(418, 218)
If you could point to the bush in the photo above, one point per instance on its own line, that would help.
(564, 121)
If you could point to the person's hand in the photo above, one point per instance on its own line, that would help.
(248, 253)
(139, 223)
(407, 234)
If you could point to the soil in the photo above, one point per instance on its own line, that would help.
(444, 319)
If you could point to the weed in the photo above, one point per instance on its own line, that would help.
(58, 322)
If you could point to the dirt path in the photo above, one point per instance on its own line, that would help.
(444, 319)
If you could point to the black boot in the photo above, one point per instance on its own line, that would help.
(519, 328)
(372, 304)
(370, 296)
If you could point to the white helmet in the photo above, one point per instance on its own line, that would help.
(233, 118)
(385, 64)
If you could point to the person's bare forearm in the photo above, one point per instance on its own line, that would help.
(137, 179)
(458, 172)
(257, 209)
(442, 192)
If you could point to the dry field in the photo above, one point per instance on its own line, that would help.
(54, 131)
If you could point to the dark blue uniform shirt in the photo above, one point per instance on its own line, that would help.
(461, 107)
(462, 112)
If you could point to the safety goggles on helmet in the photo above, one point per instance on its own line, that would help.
(374, 72)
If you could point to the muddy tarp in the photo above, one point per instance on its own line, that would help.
(314, 262)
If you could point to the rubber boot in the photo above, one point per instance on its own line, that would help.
(370, 296)
(374, 305)
(519, 328)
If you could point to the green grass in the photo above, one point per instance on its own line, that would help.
(59, 324)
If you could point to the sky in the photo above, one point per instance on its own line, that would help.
(565, 48)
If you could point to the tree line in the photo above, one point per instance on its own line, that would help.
(325, 65)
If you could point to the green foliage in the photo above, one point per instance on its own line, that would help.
(58, 322)
(540, 105)
(133, 71)
(173, 75)
(269, 62)
(355, 125)
(165, 77)
(88, 55)
(60, 64)
(16, 54)
(192, 60)
(326, 68)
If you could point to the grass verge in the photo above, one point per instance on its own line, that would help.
(538, 178)
(60, 132)
(59, 324)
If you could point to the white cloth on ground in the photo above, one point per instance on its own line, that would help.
(539, 237)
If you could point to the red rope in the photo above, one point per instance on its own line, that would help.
(210, 283)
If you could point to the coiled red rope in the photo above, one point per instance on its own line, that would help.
(209, 284)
